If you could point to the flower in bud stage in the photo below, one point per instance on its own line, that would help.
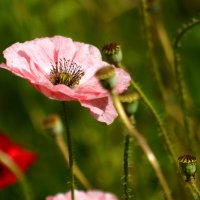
(113, 53)
(188, 166)
(130, 101)
(107, 77)
(53, 125)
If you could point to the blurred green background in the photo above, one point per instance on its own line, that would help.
(98, 148)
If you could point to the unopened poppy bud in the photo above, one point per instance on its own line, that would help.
(53, 125)
(188, 166)
(113, 53)
(106, 76)
(130, 101)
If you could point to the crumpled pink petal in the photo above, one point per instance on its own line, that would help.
(80, 195)
(33, 61)
(101, 109)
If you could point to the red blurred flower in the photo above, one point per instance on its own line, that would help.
(20, 156)
(64, 70)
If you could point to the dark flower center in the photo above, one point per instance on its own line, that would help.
(66, 72)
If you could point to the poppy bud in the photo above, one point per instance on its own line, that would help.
(53, 125)
(130, 101)
(113, 53)
(188, 166)
(106, 76)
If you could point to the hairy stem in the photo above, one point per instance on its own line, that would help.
(69, 144)
(157, 120)
(126, 171)
(156, 117)
(182, 91)
(77, 172)
(144, 146)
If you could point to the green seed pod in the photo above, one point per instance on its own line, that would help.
(188, 166)
(107, 78)
(113, 53)
(53, 125)
(131, 108)
(130, 101)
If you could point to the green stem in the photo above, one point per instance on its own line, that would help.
(182, 92)
(126, 171)
(10, 164)
(181, 83)
(182, 32)
(156, 117)
(158, 121)
(77, 172)
(160, 125)
(150, 44)
(133, 132)
(69, 144)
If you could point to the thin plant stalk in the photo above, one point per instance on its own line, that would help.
(144, 146)
(151, 22)
(165, 42)
(126, 164)
(156, 117)
(10, 164)
(69, 145)
(150, 45)
(77, 172)
(158, 121)
(182, 91)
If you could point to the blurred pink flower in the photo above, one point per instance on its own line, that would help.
(64, 70)
(80, 195)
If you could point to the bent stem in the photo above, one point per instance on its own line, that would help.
(10, 164)
(144, 146)
(77, 172)
(157, 120)
(69, 144)
(182, 90)
(156, 117)
(126, 171)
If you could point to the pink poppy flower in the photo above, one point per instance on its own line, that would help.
(64, 70)
(80, 195)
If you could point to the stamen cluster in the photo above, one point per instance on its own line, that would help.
(66, 72)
